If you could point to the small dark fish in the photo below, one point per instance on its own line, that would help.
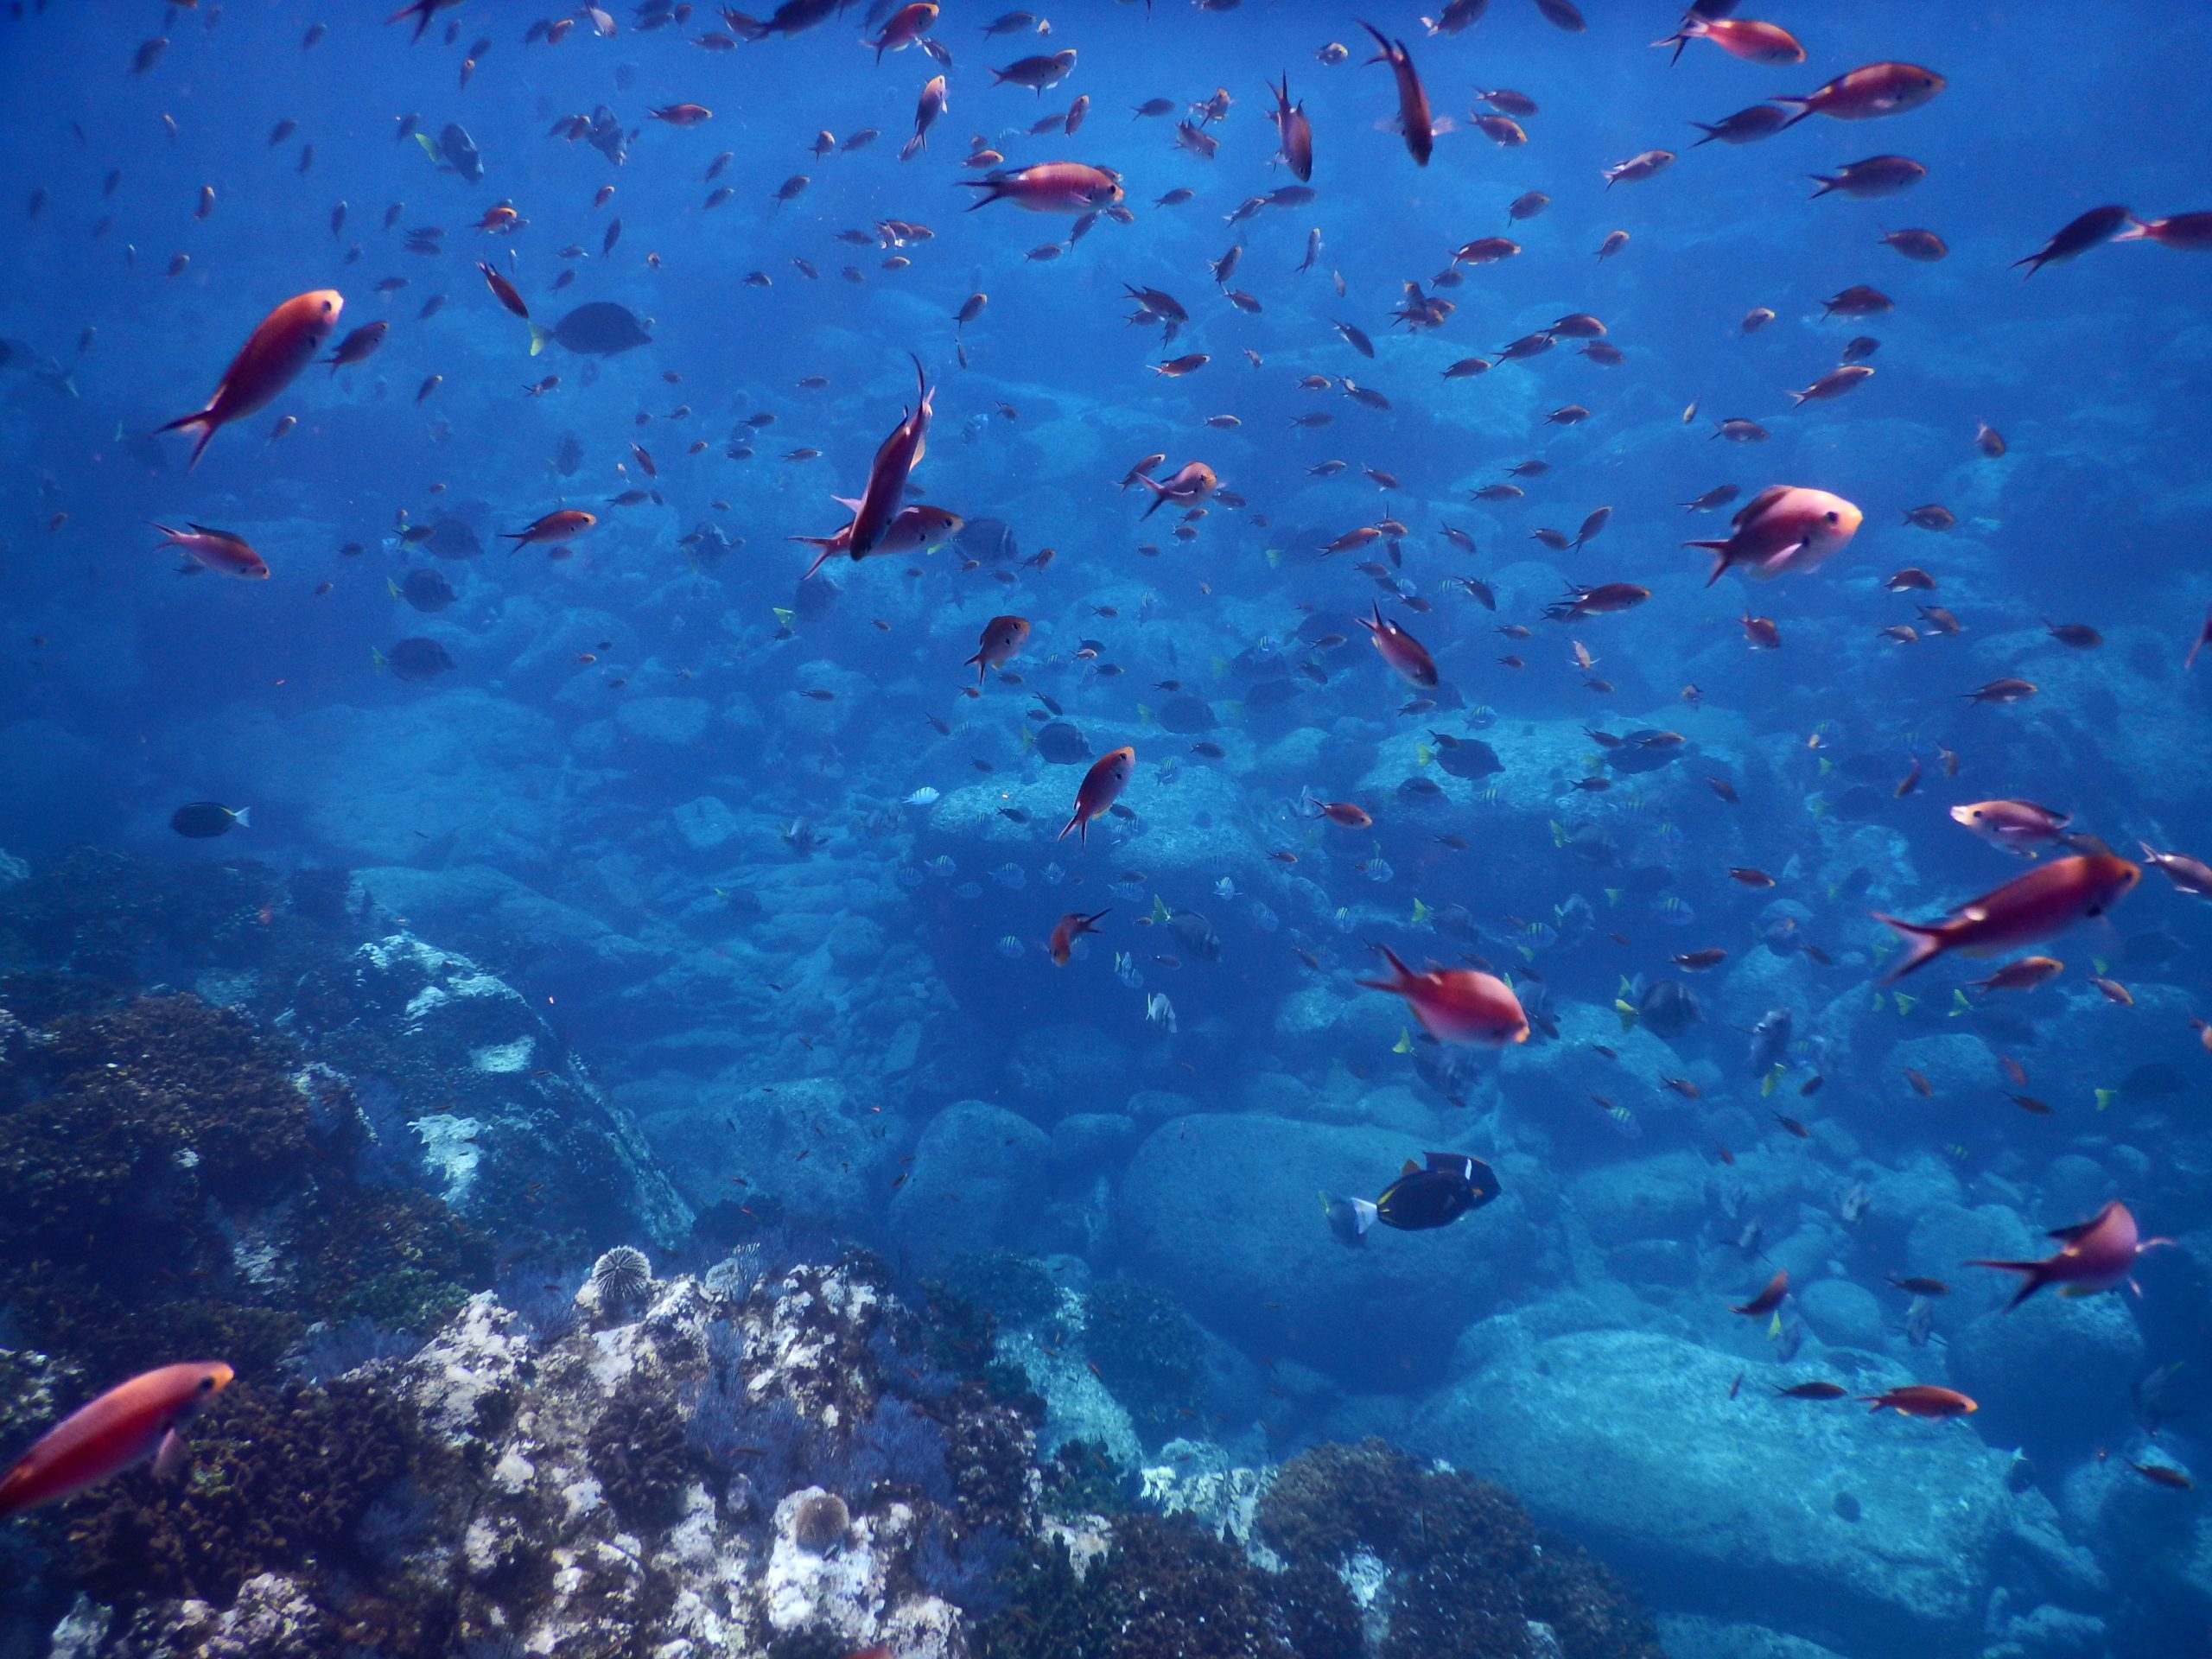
(203, 820)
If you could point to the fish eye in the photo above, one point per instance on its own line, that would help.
(207, 1384)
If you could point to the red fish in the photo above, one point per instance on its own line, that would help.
(1069, 928)
(1414, 121)
(127, 1425)
(2096, 1254)
(2031, 907)
(285, 342)
(1922, 1400)
(218, 551)
(2203, 639)
(1769, 1298)
(898, 455)
(1401, 649)
(1878, 89)
(1100, 788)
(932, 103)
(1296, 133)
(1456, 1005)
(422, 11)
(2191, 233)
(1003, 636)
(552, 527)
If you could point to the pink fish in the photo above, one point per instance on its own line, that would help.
(2096, 1254)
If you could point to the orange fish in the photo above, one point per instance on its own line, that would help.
(218, 550)
(1922, 1400)
(1192, 483)
(2031, 907)
(1003, 636)
(285, 342)
(1100, 788)
(1069, 928)
(1343, 812)
(127, 1425)
(2022, 975)
(553, 527)
(1456, 1005)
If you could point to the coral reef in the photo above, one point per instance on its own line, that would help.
(1366, 1551)
(1149, 1352)
(280, 1478)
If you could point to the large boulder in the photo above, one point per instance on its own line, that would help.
(1630, 1441)
(974, 1186)
(2054, 1373)
(1226, 1212)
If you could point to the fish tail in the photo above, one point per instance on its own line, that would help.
(539, 336)
(199, 417)
(1720, 551)
(1925, 941)
(994, 186)
(1802, 105)
(1826, 183)
(2136, 231)
(913, 147)
(2035, 1276)
(242, 816)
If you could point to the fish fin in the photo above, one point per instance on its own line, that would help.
(1720, 551)
(171, 1456)
(1923, 943)
(2035, 1276)
(243, 817)
(538, 335)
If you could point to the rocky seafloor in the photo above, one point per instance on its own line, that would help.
(522, 1372)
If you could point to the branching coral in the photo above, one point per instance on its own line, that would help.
(1333, 1500)
(1166, 1590)
(638, 1452)
(277, 1479)
(1466, 1574)
(1150, 1352)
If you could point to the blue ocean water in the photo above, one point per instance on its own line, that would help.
(780, 879)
